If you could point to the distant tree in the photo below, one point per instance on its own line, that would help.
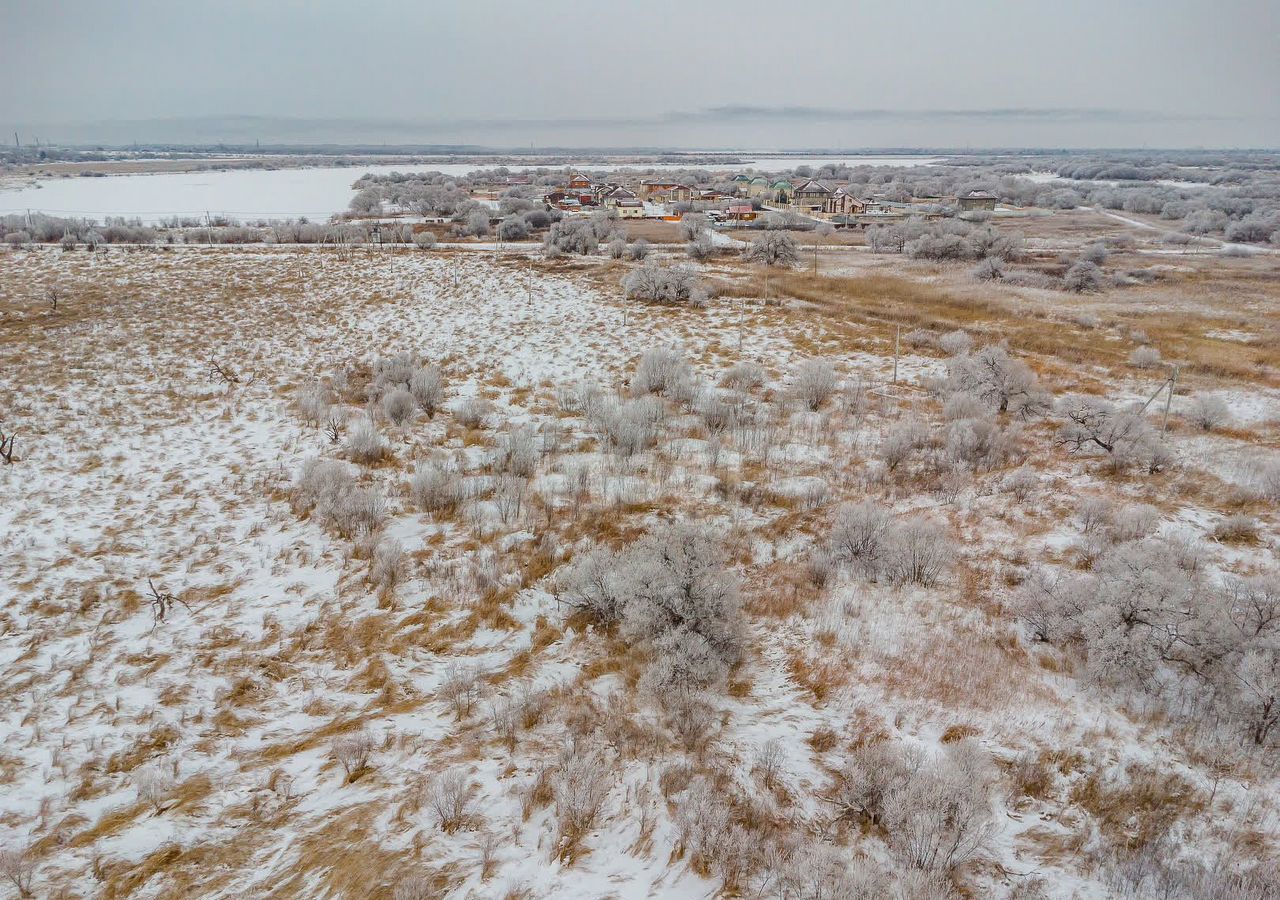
(773, 248)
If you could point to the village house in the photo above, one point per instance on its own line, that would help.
(810, 196)
(782, 191)
(650, 187)
(629, 209)
(976, 200)
(741, 212)
(578, 182)
(758, 186)
(618, 195)
(842, 203)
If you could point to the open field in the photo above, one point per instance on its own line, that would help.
(231, 671)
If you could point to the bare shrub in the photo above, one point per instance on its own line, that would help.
(1132, 523)
(814, 382)
(471, 412)
(1092, 423)
(517, 453)
(364, 444)
(388, 564)
(353, 752)
(900, 441)
(981, 443)
(920, 337)
(18, 867)
(1021, 483)
(617, 248)
(744, 376)
(1236, 528)
(659, 284)
(1208, 413)
(450, 799)
(638, 250)
(415, 887)
(858, 536)
(917, 552)
(398, 406)
(956, 343)
(1084, 277)
(313, 403)
(580, 785)
(1144, 358)
(1094, 514)
(327, 488)
(660, 371)
(424, 240)
(990, 268)
(963, 406)
(461, 689)
(435, 489)
(671, 591)
(155, 787)
(427, 387)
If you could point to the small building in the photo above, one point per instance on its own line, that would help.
(782, 190)
(629, 209)
(741, 212)
(578, 182)
(976, 200)
(758, 186)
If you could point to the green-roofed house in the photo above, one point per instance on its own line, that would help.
(781, 191)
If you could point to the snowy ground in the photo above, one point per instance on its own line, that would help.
(198, 754)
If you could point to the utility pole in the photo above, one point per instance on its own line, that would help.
(208, 228)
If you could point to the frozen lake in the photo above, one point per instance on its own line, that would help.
(248, 195)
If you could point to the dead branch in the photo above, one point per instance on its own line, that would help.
(334, 430)
(227, 374)
(162, 603)
(6, 446)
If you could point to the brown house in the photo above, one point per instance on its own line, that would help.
(841, 203)
(811, 195)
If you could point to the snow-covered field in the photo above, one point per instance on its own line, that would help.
(211, 690)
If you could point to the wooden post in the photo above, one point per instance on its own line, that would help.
(1168, 401)
(897, 348)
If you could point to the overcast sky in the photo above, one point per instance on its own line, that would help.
(679, 73)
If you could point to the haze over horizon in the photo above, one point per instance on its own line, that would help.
(712, 75)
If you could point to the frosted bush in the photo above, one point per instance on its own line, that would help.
(313, 402)
(471, 412)
(364, 444)
(1134, 522)
(999, 381)
(963, 406)
(744, 376)
(1208, 413)
(399, 406)
(956, 343)
(814, 382)
(435, 490)
(659, 371)
(917, 552)
(517, 452)
(858, 535)
(900, 441)
(388, 564)
(1144, 358)
(427, 387)
(672, 592)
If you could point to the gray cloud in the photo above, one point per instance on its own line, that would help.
(716, 73)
